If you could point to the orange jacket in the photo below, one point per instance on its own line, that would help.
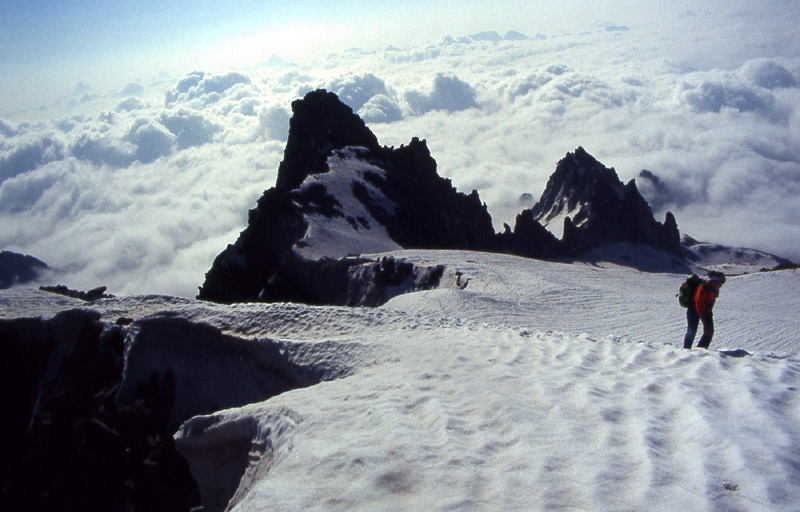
(704, 297)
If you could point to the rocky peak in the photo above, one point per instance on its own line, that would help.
(339, 193)
(594, 208)
(320, 123)
(581, 187)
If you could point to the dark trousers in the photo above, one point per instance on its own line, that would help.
(692, 320)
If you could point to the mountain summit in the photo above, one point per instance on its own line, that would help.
(340, 194)
(587, 206)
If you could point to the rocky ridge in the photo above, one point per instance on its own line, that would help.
(597, 209)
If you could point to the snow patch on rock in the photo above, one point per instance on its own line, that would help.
(352, 229)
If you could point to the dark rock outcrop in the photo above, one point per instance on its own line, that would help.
(19, 269)
(93, 294)
(320, 123)
(65, 442)
(348, 281)
(529, 238)
(427, 212)
(401, 197)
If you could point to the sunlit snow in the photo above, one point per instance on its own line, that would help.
(538, 386)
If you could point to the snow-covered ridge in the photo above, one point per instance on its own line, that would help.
(517, 384)
(705, 257)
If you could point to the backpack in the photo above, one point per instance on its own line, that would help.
(686, 291)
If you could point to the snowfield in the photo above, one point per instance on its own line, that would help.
(538, 386)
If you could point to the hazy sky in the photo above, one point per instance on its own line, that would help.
(135, 136)
(49, 45)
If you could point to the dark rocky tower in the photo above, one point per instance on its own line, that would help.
(602, 210)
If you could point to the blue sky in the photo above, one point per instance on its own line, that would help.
(37, 31)
(48, 31)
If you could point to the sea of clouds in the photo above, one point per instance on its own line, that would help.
(139, 188)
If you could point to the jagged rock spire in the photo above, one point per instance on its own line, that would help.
(597, 209)
(320, 124)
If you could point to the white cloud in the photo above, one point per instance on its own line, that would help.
(152, 140)
(768, 73)
(19, 195)
(449, 93)
(140, 194)
(713, 96)
(274, 122)
(207, 87)
(132, 89)
(6, 129)
(357, 90)
(189, 129)
(132, 103)
(27, 153)
(102, 150)
(380, 109)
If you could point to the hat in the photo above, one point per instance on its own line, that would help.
(716, 276)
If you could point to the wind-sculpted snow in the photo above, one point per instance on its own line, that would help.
(496, 419)
(228, 457)
(215, 371)
(515, 385)
(101, 386)
(491, 398)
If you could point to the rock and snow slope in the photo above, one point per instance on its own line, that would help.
(339, 192)
(538, 386)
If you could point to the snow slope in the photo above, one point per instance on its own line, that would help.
(538, 386)
(335, 237)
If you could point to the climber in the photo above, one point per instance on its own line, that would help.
(700, 309)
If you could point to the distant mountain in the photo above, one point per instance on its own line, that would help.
(340, 194)
(587, 206)
(19, 269)
(705, 256)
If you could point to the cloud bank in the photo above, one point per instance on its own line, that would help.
(143, 191)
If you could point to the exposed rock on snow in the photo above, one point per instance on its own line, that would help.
(348, 281)
(93, 294)
(704, 256)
